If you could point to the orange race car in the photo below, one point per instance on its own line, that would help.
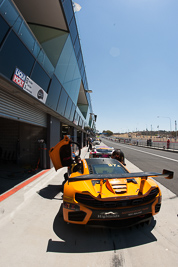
(104, 192)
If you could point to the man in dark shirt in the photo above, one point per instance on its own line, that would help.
(119, 155)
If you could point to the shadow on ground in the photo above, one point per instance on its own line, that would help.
(73, 238)
(51, 191)
(82, 239)
(12, 174)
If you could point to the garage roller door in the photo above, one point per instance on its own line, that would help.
(14, 108)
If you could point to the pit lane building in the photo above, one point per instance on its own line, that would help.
(44, 91)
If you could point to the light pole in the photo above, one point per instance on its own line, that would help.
(166, 118)
(158, 130)
(176, 129)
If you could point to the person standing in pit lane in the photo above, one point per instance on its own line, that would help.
(90, 145)
(119, 155)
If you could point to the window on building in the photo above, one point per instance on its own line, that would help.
(14, 54)
(72, 112)
(62, 102)
(68, 108)
(40, 77)
(73, 30)
(68, 8)
(68, 72)
(53, 93)
(52, 41)
(4, 29)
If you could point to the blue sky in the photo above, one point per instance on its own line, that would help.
(130, 50)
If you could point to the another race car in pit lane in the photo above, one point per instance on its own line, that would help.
(96, 142)
(101, 152)
(104, 192)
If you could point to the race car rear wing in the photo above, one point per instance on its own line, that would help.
(130, 176)
(143, 175)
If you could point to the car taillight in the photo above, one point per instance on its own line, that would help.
(71, 206)
(95, 156)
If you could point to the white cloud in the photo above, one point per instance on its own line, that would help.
(76, 7)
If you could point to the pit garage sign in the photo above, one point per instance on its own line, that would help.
(29, 85)
(19, 77)
(34, 89)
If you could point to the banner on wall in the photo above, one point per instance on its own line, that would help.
(19, 77)
(29, 85)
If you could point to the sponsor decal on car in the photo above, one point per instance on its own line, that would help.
(122, 213)
(108, 215)
(136, 212)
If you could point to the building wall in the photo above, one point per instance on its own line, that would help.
(54, 65)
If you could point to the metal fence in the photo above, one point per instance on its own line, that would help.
(147, 143)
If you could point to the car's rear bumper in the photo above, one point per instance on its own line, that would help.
(122, 217)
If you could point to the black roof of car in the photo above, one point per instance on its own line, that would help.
(94, 161)
(123, 173)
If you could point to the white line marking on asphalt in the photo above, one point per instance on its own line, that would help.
(151, 154)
